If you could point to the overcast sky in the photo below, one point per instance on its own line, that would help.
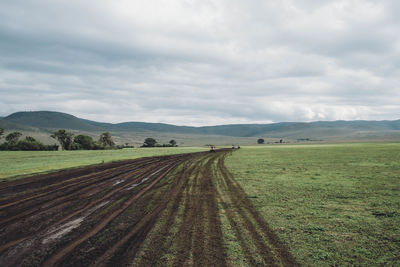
(190, 62)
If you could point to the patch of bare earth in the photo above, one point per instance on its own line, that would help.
(160, 211)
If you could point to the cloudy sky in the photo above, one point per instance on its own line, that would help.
(190, 62)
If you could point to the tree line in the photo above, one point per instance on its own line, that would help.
(151, 142)
(82, 141)
(13, 142)
(68, 141)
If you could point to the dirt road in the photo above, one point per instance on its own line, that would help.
(172, 210)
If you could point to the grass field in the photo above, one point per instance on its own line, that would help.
(333, 205)
(330, 204)
(14, 164)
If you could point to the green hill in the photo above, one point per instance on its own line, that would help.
(8, 125)
(48, 121)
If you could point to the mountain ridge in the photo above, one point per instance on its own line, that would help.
(48, 121)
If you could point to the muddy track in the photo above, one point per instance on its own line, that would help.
(25, 205)
(44, 180)
(80, 204)
(46, 218)
(160, 211)
(268, 246)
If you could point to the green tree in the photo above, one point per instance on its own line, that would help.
(64, 138)
(84, 141)
(172, 142)
(106, 140)
(149, 142)
(29, 144)
(30, 139)
(1, 132)
(13, 137)
(260, 141)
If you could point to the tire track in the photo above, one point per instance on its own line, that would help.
(124, 251)
(23, 244)
(162, 211)
(67, 249)
(44, 181)
(83, 205)
(160, 242)
(69, 183)
(198, 238)
(92, 188)
(270, 248)
(185, 239)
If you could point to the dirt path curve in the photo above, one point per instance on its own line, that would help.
(160, 211)
(190, 231)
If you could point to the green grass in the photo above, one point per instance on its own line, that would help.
(335, 204)
(16, 164)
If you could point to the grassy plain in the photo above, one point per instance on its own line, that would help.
(14, 164)
(332, 204)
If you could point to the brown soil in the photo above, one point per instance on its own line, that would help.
(146, 212)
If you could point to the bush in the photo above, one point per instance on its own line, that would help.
(64, 138)
(150, 142)
(29, 145)
(83, 142)
(4, 146)
(106, 141)
(25, 145)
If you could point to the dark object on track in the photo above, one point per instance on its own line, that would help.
(212, 149)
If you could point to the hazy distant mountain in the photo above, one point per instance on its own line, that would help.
(327, 130)
(8, 125)
(50, 120)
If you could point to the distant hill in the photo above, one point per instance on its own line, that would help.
(48, 121)
(7, 125)
(59, 120)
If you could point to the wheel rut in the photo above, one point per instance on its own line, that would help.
(160, 211)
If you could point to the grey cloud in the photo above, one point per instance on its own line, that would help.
(201, 62)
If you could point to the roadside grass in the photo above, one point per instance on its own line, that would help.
(237, 240)
(332, 204)
(17, 164)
